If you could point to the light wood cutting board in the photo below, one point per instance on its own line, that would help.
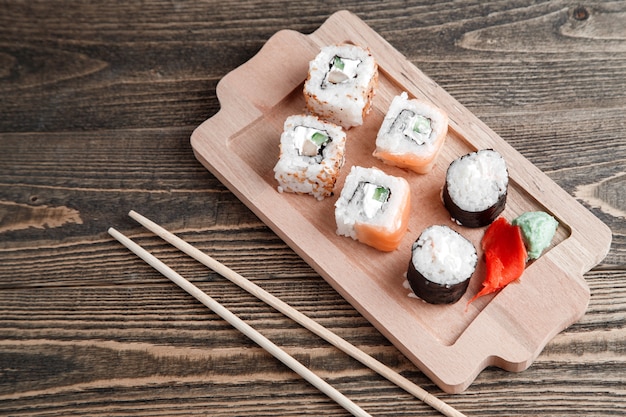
(452, 345)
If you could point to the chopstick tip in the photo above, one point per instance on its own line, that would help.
(136, 216)
(114, 233)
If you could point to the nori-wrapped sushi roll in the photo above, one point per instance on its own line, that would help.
(442, 263)
(475, 189)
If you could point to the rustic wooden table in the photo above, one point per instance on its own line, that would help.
(98, 103)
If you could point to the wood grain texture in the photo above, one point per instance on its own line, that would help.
(450, 345)
(98, 103)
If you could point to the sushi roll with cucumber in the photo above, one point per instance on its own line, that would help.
(476, 187)
(373, 208)
(341, 83)
(311, 156)
(411, 134)
(441, 265)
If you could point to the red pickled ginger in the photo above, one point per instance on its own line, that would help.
(505, 256)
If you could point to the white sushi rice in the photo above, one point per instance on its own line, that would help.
(395, 141)
(299, 170)
(443, 256)
(349, 210)
(476, 180)
(341, 96)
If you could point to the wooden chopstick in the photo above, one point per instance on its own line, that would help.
(299, 317)
(240, 325)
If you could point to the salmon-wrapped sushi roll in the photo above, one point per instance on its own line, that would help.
(373, 208)
(411, 135)
(341, 83)
(311, 155)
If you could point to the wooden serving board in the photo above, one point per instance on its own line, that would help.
(449, 343)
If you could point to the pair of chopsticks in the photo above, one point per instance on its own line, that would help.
(279, 305)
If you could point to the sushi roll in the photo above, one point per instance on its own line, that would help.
(475, 188)
(311, 155)
(341, 84)
(411, 134)
(442, 263)
(373, 208)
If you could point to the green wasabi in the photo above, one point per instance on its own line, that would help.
(538, 229)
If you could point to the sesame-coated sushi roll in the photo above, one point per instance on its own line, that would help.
(442, 263)
(411, 134)
(341, 84)
(373, 208)
(476, 187)
(311, 155)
